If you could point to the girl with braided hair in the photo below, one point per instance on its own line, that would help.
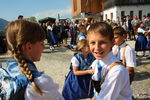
(26, 42)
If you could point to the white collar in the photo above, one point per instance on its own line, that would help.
(122, 45)
(108, 60)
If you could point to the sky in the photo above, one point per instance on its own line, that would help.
(10, 9)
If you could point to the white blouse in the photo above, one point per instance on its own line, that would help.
(48, 87)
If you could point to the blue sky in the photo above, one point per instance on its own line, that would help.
(10, 9)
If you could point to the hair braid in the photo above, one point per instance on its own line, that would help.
(18, 33)
(24, 68)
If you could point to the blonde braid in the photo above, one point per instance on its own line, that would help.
(24, 68)
(18, 33)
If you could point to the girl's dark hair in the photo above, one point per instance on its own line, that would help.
(102, 28)
(18, 33)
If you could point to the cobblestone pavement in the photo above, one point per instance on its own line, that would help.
(56, 64)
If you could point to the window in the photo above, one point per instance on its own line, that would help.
(140, 14)
(122, 14)
(111, 16)
(106, 17)
(131, 14)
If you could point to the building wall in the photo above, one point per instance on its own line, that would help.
(116, 10)
(85, 6)
(111, 3)
(76, 8)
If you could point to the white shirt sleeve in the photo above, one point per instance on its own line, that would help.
(140, 30)
(75, 62)
(48, 87)
(49, 27)
(116, 85)
(130, 57)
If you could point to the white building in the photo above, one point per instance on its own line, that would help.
(121, 8)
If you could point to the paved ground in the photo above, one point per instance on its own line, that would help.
(56, 64)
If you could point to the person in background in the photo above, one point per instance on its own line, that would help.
(82, 33)
(141, 42)
(129, 27)
(20, 17)
(123, 51)
(118, 22)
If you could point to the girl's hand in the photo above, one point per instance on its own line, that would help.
(91, 71)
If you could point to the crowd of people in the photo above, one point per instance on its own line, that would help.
(102, 67)
(58, 33)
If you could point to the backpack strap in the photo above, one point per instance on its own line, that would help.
(111, 66)
(123, 56)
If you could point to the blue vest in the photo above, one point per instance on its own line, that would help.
(84, 65)
(12, 80)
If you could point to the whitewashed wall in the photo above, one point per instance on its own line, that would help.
(117, 10)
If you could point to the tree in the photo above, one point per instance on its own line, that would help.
(32, 18)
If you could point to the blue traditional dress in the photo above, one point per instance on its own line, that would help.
(77, 87)
(141, 42)
(14, 84)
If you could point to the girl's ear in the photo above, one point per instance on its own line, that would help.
(27, 46)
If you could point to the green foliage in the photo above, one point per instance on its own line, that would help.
(46, 19)
(32, 18)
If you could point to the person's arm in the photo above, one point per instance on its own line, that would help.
(130, 60)
(131, 73)
(75, 67)
(77, 72)
(116, 81)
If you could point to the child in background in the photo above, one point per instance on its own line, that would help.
(26, 42)
(78, 80)
(123, 51)
(141, 41)
(113, 76)
(81, 36)
(82, 33)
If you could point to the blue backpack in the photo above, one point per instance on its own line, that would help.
(12, 82)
